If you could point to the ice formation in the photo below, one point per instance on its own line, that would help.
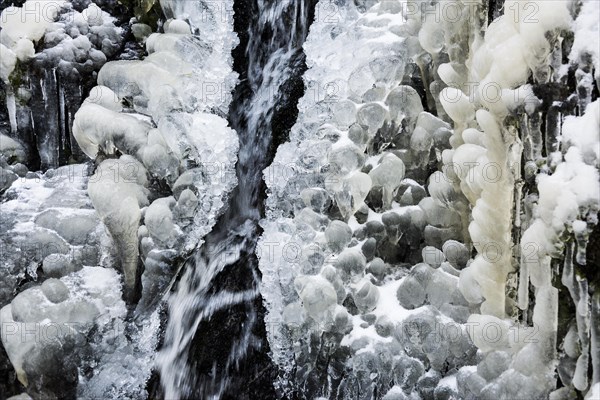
(166, 134)
(49, 49)
(380, 210)
(342, 246)
(45, 325)
(162, 124)
(52, 234)
(164, 158)
(431, 222)
(21, 28)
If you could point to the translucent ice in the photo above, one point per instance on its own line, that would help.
(367, 296)
(372, 115)
(55, 290)
(404, 103)
(345, 113)
(388, 175)
(411, 294)
(351, 262)
(158, 218)
(346, 158)
(318, 297)
(338, 235)
(488, 332)
(432, 256)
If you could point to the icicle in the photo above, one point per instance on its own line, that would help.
(12, 110)
(579, 292)
(595, 336)
(61, 115)
(582, 235)
(583, 306)
(545, 318)
(523, 293)
(552, 128)
(567, 278)
(536, 136)
(580, 378)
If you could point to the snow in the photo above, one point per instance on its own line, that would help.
(594, 392)
(8, 60)
(388, 303)
(25, 21)
(586, 42)
(449, 381)
(68, 48)
(584, 133)
(571, 191)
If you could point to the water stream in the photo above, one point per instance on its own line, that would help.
(215, 337)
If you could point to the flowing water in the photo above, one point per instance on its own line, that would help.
(215, 336)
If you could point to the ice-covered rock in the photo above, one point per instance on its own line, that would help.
(47, 326)
(371, 152)
(48, 222)
(144, 133)
(51, 54)
(398, 225)
(11, 150)
(98, 129)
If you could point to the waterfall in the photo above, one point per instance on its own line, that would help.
(215, 314)
(401, 204)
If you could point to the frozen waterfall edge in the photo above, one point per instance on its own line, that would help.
(358, 262)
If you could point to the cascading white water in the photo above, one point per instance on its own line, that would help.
(190, 305)
(232, 242)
